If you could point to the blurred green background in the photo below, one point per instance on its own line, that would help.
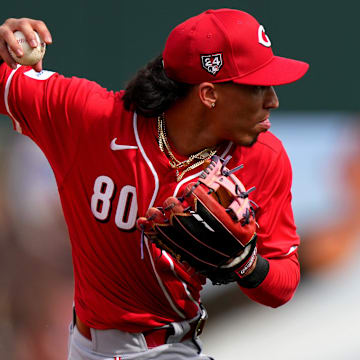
(107, 41)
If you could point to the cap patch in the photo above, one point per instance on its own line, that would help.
(263, 38)
(212, 63)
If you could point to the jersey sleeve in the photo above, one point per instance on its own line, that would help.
(54, 111)
(277, 236)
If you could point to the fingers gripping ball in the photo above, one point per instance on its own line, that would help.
(31, 55)
(211, 227)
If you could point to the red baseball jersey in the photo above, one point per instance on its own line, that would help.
(109, 170)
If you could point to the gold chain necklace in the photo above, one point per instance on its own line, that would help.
(200, 156)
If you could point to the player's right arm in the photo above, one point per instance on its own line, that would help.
(53, 110)
(27, 26)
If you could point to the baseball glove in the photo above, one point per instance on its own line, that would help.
(211, 227)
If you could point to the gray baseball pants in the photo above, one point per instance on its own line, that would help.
(119, 345)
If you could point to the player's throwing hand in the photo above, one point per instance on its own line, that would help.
(28, 28)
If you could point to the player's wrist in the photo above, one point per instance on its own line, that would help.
(248, 264)
(252, 264)
(257, 275)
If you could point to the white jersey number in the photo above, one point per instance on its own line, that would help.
(101, 203)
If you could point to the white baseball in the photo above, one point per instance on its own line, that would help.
(31, 55)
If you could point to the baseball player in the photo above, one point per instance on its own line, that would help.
(117, 154)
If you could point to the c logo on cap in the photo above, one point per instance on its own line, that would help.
(263, 38)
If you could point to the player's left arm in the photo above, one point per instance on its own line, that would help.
(277, 273)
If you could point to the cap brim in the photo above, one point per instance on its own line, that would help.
(278, 71)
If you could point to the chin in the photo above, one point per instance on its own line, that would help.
(248, 142)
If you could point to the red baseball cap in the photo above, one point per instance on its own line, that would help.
(226, 45)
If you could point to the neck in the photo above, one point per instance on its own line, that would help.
(181, 166)
(187, 128)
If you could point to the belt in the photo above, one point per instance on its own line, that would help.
(154, 337)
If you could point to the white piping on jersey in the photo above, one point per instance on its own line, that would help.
(292, 249)
(178, 186)
(162, 286)
(148, 162)
(230, 144)
(173, 268)
(156, 178)
(6, 99)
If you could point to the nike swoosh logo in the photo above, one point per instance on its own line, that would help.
(114, 146)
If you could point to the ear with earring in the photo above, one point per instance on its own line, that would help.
(213, 104)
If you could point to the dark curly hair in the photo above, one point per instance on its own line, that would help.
(151, 92)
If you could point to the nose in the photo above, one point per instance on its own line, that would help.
(271, 100)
